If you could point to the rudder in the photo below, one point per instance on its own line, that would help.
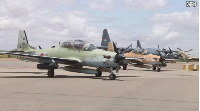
(105, 38)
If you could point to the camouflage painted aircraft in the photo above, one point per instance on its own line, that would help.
(186, 56)
(169, 55)
(155, 61)
(76, 53)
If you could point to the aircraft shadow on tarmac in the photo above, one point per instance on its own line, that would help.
(156, 71)
(62, 76)
(25, 72)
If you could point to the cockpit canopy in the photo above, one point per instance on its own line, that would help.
(79, 45)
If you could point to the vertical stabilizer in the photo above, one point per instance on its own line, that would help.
(105, 38)
(139, 47)
(138, 44)
(23, 42)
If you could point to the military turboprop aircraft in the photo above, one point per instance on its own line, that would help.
(186, 56)
(76, 53)
(169, 55)
(156, 61)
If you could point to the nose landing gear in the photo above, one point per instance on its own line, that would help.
(112, 76)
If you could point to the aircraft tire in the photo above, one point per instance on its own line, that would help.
(112, 76)
(98, 74)
(50, 73)
(154, 68)
(124, 67)
(158, 69)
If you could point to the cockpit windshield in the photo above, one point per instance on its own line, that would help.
(89, 47)
(68, 44)
(78, 44)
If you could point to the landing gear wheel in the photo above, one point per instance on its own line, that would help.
(158, 69)
(98, 74)
(154, 68)
(50, 73)
(124, 67)
(112, 76)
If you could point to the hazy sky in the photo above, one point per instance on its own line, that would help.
(153, 22)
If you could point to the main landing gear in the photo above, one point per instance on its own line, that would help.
(124, 67)
(50, 73)
(98, 74)
(112, 75)
(158, 67)
(154, 68)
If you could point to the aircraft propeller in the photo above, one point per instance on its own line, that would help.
(119, 56)
(170, 52)
(162, 58)
(40, 47)
(179, 49)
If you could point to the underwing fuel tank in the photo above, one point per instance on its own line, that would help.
(80, 70)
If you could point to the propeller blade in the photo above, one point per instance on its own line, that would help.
(162, 59)
(179, 49)
(126, 49)
(158, 47)
(115, 48)
(188, 50)
(119, 56)
(158, 52)
(40, 47)
(170, 51)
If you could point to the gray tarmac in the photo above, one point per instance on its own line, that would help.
(25, 88)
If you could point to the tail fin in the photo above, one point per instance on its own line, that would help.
(23, 42)
(105, 38)
(110, 47)
(138, 44)
(139, 47)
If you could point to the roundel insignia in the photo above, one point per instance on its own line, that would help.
(42, 54)
(24, 38)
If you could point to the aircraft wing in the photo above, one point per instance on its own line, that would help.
(171, 59)
(134, 58)
(194, 58)
(30, 57)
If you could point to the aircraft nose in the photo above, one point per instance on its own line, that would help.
(119, 57)
(162, 58)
